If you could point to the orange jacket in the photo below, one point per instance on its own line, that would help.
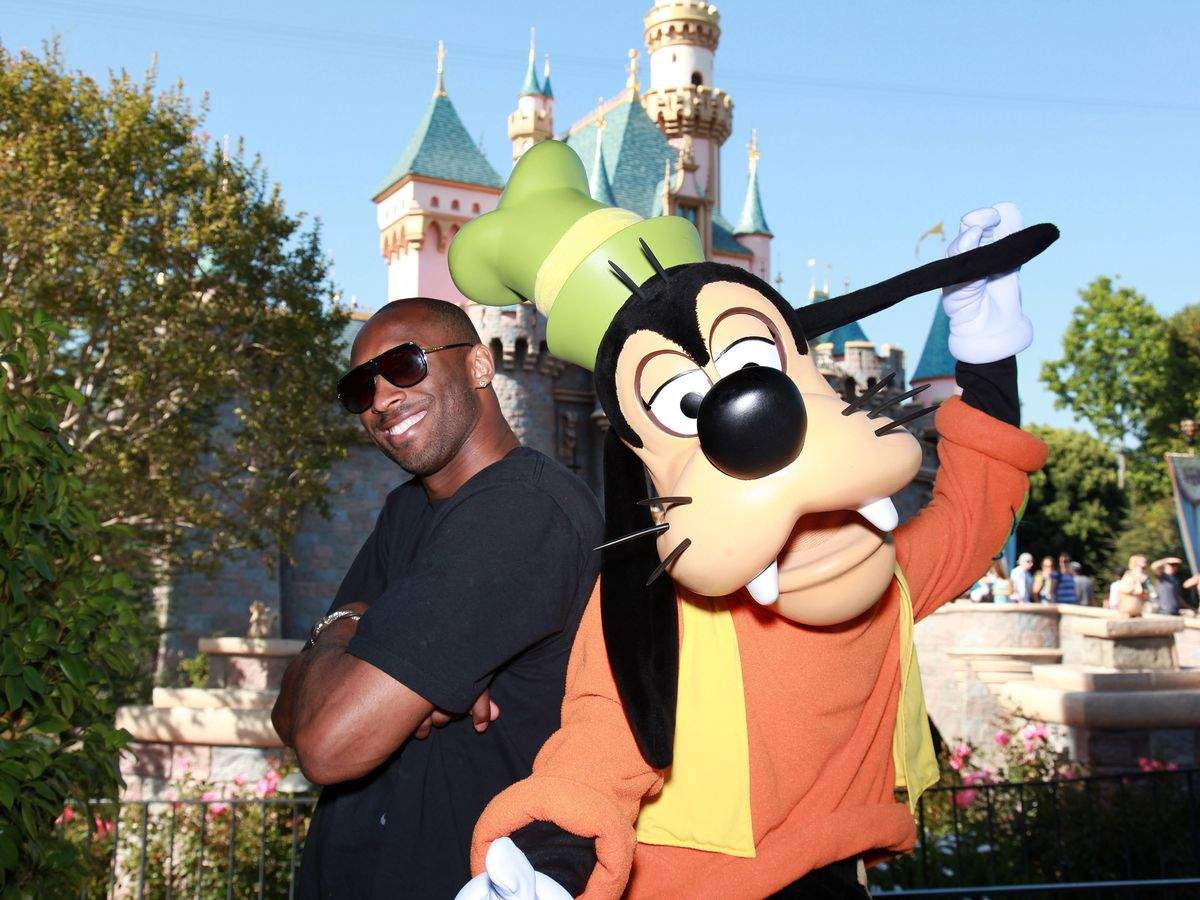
(820, 704)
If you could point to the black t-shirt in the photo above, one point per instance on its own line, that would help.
(483, 589)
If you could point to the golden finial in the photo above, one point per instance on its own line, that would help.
(779, 282)
(600, 120)
(753, 148)
(440, 90)
(632, 81)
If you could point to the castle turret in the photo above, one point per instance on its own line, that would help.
(936, 366)
(682, 37)
(440, 182)
(752, 230)
(533, 120)
(598, 182)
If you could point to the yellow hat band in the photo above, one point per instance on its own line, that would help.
(585, 235)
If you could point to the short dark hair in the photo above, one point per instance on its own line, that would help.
(450, 318)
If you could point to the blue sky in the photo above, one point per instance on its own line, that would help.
(875, 121)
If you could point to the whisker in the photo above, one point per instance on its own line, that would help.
(665, 501)
(645, 532)
(653, 259)
(878, 411)
(870, 392)
(626, 280)
(671, 557)
(892, 426)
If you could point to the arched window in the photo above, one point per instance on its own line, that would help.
(697, 79)
(434, 202)
(454, 204)
(475, 208)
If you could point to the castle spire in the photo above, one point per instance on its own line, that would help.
(531, 88)
(547, 92)
(753, 221)
(440, 90)
(598, 183)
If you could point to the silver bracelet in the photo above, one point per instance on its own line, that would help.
(322, 624)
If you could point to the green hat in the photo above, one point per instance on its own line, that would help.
(550, 243)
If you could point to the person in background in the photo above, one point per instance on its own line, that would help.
(1022, 579)
(1064, 589)
(1045, 582)
(1084, 588)
(998, 582)
(1133, 590)
(1169, 590)
(1114, 589)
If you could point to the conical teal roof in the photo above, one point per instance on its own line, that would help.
(531, 86)
(598, 181)
(753, 221)
(547, 91)
(441, 148)
(635, 154)
(936, 361)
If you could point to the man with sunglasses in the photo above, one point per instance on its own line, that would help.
(465, 598)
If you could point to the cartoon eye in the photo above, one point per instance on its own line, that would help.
(676, 404)
(748, 351)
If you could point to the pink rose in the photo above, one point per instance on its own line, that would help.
(240, 779)
(964, 799)
(1003, 739)
(956, 762)
(67, 815)
(103, 827)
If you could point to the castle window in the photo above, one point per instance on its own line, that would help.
(454, 204)
(697, 79)
(434, 202)
(475, 208)
(690, 213)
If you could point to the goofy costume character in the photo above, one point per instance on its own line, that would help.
(743, 695)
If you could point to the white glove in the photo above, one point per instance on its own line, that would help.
(986, 322)
(509, 876)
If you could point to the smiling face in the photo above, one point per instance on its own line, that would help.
(423, 427)
(818, 519)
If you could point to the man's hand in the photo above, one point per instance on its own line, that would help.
(483, 713)
(986, 321)
(509, 876)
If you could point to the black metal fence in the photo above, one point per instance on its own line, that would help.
(200, 848)
(1131, 835)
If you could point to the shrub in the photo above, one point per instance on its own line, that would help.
(70, 627)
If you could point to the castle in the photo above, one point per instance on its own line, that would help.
(653, 149)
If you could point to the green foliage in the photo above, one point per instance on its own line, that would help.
(203, 345)
(1114, 371)
(194, 670)
(72, 633)
(1074, 502)
(1152, 530)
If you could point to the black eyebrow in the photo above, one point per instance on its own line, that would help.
(675, 377)
(742, 340)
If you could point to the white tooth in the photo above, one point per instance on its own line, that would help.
(764, 587)
(882, 514)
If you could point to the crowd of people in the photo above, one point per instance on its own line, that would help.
(1138, 588)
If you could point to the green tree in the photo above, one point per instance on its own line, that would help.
(1075, 503)
(1114, 372)
(70, 629)
(203, 344)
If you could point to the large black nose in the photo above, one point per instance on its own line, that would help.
(752, 422)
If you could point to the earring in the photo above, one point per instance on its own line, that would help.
(483, 384)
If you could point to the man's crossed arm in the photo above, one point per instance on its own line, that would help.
(344, 717)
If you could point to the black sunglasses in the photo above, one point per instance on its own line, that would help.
(403, 366)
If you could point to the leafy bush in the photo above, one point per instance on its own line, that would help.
(1021, 812)
(70, 627)
(200, 841)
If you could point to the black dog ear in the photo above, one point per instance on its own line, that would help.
(641, 623)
